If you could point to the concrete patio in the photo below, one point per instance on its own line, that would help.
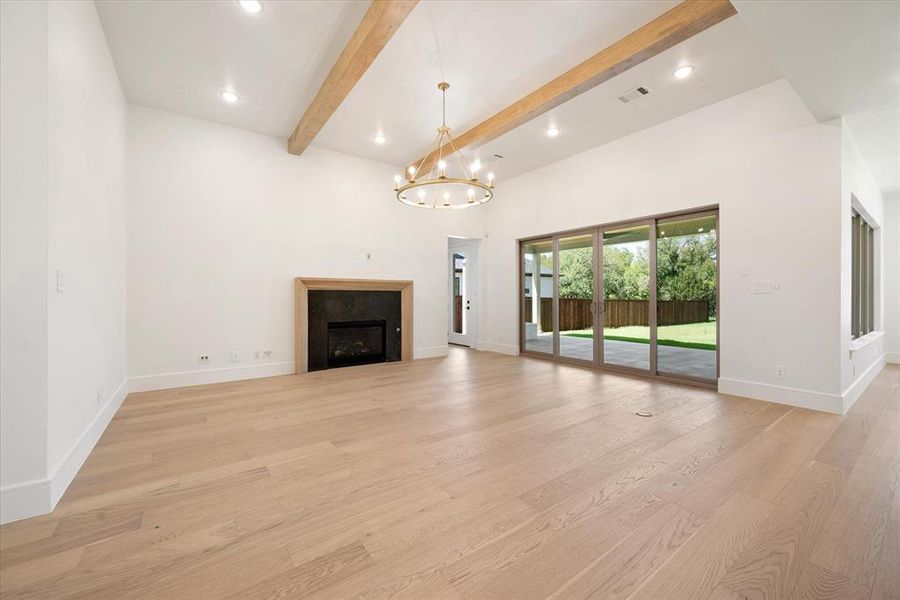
(670, 359)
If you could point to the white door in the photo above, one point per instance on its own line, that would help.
(462, 318)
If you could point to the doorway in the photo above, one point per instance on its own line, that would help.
(462, 317)
(639, 296)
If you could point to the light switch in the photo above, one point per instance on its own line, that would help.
(60, 281)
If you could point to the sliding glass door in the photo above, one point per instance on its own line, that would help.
(687, 257)
(640, 296)
(536, 334)
(576, 307)
(626, 297)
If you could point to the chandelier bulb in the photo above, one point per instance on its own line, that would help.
(442, 165)
(411, 171)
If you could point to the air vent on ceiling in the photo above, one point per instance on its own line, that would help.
(634, 94)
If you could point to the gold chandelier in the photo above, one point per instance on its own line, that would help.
(461, 189)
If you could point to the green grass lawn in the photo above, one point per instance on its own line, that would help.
(692, 335)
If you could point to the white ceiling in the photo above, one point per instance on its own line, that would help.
(178, 56)
(843, 60)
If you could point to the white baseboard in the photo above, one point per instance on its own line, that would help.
(62, 474)
(430, 351)
(39, 496)
(862, 382)
(499, 348)
(892, 358)
(23, 500)
(782, 395)
(165, 381)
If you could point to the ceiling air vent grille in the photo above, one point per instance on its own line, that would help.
(634, 94)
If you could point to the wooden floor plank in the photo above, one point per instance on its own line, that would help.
(769, 567)
(472, 476)
(696, 568)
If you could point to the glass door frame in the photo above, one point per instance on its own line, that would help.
(598, 361)
(670, 376)
(650, 223)
(537, 289)
(593, 232)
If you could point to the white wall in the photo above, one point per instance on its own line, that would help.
(220, 222)
(64, 150)
(775, 174)
(860, 366)
(892, 278)
(87, 133)
(23, 249)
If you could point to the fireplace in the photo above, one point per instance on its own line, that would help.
(352, 327)
(356, 343)
(344, 322)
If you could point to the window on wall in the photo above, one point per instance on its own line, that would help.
(863, 301)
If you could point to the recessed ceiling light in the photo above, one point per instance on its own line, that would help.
(379, 139)
(229, 96)
(683, 72)
(253, 7)
(552, 132)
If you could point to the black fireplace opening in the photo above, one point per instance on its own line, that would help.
(352, 327)
(356, 343)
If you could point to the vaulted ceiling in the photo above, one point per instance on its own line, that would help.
(179, 56)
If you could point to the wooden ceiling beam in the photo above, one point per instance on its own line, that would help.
(379, 24)
(676, 25)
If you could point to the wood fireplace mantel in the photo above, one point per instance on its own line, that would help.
(302, 285)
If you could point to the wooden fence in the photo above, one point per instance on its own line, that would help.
(575, 313)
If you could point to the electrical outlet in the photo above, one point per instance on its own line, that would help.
(266, 354)
(779, 372)
(235, 356)
(100, 395)
(203, 359)
(256, 355)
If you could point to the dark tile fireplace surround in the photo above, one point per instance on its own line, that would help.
(349, 327)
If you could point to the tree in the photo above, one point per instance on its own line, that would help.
(686, 269)
(576, 273)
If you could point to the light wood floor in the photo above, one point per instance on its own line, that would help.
(474, 476)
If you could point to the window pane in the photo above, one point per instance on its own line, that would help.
(686, 281)
(854, 299)
(870, 281)
(626, 307)
(537, 291)
(576, 297)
